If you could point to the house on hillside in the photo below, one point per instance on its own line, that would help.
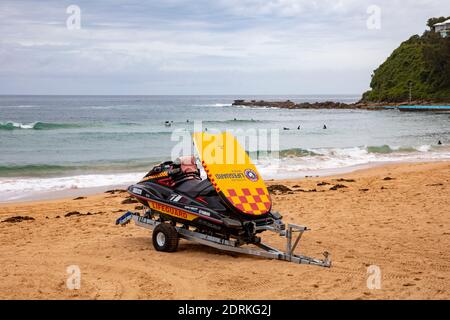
(443, 28)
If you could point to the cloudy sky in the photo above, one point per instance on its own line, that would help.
(203, 46)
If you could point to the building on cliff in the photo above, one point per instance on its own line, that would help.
(443, 28)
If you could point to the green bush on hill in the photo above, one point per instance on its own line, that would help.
(422, 62)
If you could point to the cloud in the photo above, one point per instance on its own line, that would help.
(289, 8)
(191, 45)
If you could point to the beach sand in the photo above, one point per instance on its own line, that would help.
(401, 225)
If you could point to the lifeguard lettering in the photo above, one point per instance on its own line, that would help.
(168, 210)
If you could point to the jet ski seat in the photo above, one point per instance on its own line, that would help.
(194, 188)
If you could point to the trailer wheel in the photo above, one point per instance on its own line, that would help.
(165, 238)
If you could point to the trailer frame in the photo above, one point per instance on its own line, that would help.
(231, 245)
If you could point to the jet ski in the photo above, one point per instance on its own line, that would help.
(227, 210)
(174, 192)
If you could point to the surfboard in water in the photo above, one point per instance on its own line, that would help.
(232, 173)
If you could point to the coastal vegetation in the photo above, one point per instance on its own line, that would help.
(419, 70)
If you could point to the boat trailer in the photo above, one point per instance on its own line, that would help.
(262, 250)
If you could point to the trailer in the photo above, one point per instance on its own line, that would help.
(166, 236)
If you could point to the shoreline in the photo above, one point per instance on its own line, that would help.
(68, 194)
(393, 216)
(65, 194)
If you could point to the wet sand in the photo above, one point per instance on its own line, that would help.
(400, 224)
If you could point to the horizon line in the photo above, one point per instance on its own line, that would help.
(181, 95)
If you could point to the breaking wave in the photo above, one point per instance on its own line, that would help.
(55, 170)
(297, 152)
(386, 149)
(37, 126)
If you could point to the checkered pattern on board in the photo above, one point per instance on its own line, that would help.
(251, 201)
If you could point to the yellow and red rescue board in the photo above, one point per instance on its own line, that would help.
(232, 173)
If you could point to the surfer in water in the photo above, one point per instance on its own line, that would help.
(325, 127)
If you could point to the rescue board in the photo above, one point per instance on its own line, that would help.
(232, 173)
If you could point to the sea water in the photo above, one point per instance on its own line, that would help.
(55, 143)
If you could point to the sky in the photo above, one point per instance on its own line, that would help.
(192, 47)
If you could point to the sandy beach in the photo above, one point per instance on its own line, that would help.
(396, 217)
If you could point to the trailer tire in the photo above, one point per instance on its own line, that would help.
(165, 238)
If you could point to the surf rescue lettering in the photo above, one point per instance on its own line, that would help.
(238, 175)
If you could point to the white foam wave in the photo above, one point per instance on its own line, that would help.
(257, 108)
(17, 188)
(19, 125)
(424, 148)
(329, 161)
(334, 159)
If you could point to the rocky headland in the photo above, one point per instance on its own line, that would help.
(288, 104)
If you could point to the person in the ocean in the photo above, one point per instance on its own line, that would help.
(439, 143)
(299, 127)
(168, 124)
(286, 129)
(325, 127)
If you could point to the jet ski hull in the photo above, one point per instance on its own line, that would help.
(176, 207)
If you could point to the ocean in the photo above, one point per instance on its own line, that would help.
(56, 143)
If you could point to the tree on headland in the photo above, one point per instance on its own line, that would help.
(423, 61)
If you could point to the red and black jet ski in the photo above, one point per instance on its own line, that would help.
(174, 192)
